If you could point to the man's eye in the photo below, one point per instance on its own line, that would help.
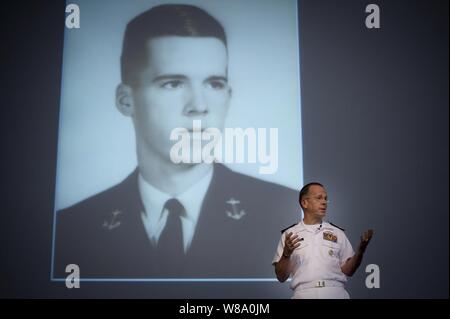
(174, 84)
(217, 85)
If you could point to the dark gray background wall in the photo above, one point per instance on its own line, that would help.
(375, 121)
(375, 132)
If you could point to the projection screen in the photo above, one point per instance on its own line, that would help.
(196, 104)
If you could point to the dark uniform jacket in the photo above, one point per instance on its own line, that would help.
(105, 236)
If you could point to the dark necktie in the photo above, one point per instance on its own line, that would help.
(170, 243)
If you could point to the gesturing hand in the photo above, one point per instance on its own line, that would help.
(290, 243)
(365, 239)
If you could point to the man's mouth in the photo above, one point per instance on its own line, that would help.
(197, 131)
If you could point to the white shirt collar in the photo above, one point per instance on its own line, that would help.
(312, 228)
(154, 217)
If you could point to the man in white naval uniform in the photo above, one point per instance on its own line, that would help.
(316, 254)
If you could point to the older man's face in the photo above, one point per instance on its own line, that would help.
(316, 201)
(185, 80)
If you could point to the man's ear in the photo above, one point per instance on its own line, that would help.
(304, 203)
(124, 99)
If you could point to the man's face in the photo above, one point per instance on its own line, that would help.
(315, 202)
(185, 80)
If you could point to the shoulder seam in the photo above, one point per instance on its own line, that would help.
(336, 226)
(283, 230)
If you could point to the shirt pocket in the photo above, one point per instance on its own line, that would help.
(300, 253)
(330, 250)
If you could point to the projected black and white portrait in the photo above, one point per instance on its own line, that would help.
(179, 152)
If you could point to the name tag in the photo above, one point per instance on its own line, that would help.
(330, 237)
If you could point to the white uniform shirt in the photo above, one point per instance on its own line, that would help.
(323, 249)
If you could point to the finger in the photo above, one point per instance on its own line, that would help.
(291, 239)
(291, 245)
(296, 245)
(288, 235)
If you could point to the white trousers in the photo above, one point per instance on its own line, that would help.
(321, 293)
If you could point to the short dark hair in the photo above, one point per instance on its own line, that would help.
(163, 20)
(304, 191)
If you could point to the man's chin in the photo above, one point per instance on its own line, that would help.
(191, 165)
(322, 213)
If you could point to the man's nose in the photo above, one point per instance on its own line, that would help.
(196, 102)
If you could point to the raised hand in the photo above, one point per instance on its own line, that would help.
(290, 244)
(365, 239)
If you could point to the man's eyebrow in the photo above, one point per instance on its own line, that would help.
(165, 77)
(217, 78)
